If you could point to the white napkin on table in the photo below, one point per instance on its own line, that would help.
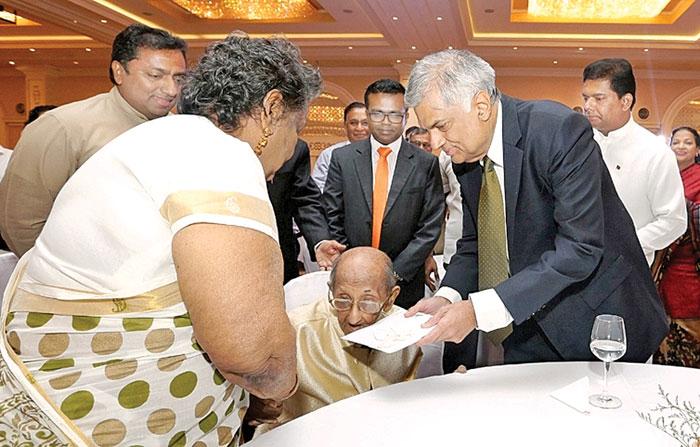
(574, 395)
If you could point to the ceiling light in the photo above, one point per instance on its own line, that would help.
(75, 21)
(449, 47)
(394, 18)
(515, 48)
(8, 17)
(248, 10)
(103, 21)
(555, 62)
(11, 62)
(349, 48)
(580, 48)
(398, 61)
(32, 50)
(88, 49)
(413, 47)
(646, 50)
(75, 62)
(438, 18)
(305, 61)
(596, 9)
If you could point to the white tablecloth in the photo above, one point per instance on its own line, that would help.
(496, 406)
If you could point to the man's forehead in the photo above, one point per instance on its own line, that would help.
(375, 98)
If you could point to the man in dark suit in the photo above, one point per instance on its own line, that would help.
(294, 195)
(569, 246)
(387, 193)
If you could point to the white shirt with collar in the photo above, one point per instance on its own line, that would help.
(395, 146)
(490, 312)
(320, 172)
(648, 181)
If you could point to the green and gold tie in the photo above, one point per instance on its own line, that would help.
(491, 227)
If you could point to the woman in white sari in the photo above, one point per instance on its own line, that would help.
(152, 302)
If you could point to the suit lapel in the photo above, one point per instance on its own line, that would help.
(363, 167)
(512, 163)
(402, 172)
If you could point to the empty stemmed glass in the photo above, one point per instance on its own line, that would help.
(608, 343)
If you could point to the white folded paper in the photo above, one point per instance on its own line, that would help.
(392, 333)
(575, 395)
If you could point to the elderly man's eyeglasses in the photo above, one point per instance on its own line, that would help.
(366, 306)
(394, 117)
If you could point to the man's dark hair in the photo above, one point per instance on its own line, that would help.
(136, 36)
(414, 130)
(384, 86)
(351, 106)
(37, 111)
(618, 72)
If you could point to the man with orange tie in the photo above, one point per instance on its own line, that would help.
(387, 193)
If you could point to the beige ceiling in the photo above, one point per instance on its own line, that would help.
(379, 32)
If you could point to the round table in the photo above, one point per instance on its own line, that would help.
(507, 405)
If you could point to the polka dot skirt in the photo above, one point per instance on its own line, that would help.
(129, 381)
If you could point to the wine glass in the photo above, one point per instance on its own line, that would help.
(608, 343)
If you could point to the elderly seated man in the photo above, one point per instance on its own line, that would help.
(362, 289)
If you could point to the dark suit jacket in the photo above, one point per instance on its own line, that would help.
(294, 195)
(413, 215)
(573, 249)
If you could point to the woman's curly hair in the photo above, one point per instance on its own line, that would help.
(234, 75)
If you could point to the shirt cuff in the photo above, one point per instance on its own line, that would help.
(319, 243)
(491, 313)
(448, 292)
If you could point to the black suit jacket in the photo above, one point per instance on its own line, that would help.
(413, 215)
(573, 249)
(294, 195)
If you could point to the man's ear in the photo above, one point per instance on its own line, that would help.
(392, 297)
(484, 107)
(118, 71)
(627, 100)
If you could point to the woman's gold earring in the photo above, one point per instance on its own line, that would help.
(263, 142)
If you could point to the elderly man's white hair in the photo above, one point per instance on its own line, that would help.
(457, 74)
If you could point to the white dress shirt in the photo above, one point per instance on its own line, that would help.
(491, 313)
(648, 181)
(320, 171)
(395, 146)
(453, 225)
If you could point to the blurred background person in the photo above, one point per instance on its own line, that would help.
(679, 284)
(160, 245)
(356, 128)
(146, 69)
(419, 137)
(37, 111)
(642, 168)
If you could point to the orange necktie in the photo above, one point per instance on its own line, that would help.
(379, 194)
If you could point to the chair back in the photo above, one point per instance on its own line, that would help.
(306, 289)
(8, 261)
